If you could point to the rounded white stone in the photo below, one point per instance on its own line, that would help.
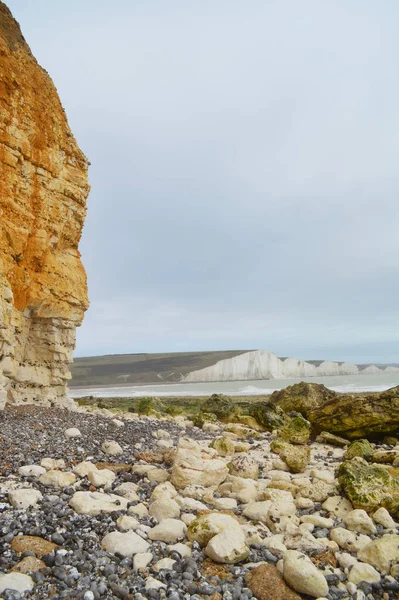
(363, 572)
(228, 547)
(72, 432)
(141, 560)
(23, 498)
(169, 530)
(31, 471)
(101, 478)
(382, 517)
(127, 544)
(16, 581)
(59, 479)
(302, 575)
(111, 447)
(358, 520)
(164, 508)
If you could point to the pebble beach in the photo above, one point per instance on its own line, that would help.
(98, 506)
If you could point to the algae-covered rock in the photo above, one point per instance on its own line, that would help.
(369, 487)
(361, 448)
(250, 422)
(204, 417)
(219, 405)
(241, 431)
(204, 527)
(302, 397)
(296, 457)
(358, 416)
(223, 446)
(296, 430)
(268, 415)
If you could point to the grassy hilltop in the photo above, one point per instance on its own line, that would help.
(134, 369)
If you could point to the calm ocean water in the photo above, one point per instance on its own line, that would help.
(347, 383)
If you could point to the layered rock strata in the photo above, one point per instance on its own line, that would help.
(43, 191)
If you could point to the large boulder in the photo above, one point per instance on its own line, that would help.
(193, 467)
(369, 486)
(358, 416)
(219, 405)
(268, 415)
(302, 397)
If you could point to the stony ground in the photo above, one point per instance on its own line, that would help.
(95, 507)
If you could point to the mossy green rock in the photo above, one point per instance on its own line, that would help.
(358, 416)
(302, 397)
(296, 457)
(223, 446)
(250, 422)
(242, 432)
(268, 415)
(369, 487)
(204, 417)
(219, 405)
(296, 430)
(360, 448)
(204, 527)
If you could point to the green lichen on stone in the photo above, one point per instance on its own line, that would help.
(241, 431)
(360, 448)
(296, 457)
(357, 417)
(296, 430)
(302, 397)
(369, 487)
(221, 406)
(223, 446)
(268, 415)
(250, 422)
(204, 417)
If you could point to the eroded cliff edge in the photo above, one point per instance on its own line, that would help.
(43, 192)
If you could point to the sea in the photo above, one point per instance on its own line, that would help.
(343, 383)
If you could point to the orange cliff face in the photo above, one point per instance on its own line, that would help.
(43, 192)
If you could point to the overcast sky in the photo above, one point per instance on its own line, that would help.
(245, 182)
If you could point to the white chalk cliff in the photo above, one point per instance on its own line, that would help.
(262, 364)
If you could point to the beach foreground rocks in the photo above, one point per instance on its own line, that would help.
(187, 523)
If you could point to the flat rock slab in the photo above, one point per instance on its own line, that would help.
(94, 503)
(32, 543)
(266, 583)
(16, 581)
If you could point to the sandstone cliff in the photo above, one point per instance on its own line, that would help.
(43, 191)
